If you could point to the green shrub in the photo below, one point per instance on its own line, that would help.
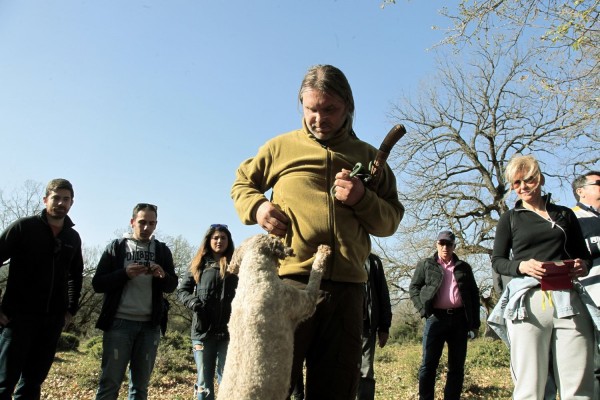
(67, 342)
(94, 347)
(488, 353)
(405, 333)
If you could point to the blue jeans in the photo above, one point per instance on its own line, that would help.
(210, 358)
(128, 342)
(27, 347)
(443, 328)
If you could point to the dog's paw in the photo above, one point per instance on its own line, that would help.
(323, 253)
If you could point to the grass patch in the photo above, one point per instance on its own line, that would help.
(74, 374)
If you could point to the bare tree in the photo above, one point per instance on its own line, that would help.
(463, 128)
(22, 202)
(90, 302)
(180, 317)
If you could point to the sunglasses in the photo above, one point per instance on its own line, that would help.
(445, 243)
(591, 183)
(219, 226)
(526, 181)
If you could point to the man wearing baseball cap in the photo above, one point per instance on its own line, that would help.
(444, 291)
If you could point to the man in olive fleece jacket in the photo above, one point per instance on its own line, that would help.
(316, 201)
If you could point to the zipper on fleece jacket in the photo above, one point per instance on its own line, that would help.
(53, 271)
(330, 208)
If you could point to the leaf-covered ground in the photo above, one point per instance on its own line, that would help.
(74, 375)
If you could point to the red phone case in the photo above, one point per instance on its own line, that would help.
(557, 275)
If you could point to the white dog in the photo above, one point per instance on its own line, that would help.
(265, 314)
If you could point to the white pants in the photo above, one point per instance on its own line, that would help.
(571, 340)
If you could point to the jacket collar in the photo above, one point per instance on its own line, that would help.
(342, 136)
(546, 198)
(67, 224)
(588, 208)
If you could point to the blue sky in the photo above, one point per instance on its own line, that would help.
(160, 101)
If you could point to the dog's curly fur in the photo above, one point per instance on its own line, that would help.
(265, 313)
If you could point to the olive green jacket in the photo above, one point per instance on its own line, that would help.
(301, 171)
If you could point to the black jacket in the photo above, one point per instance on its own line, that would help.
(45, 273)
(110, 278)
(427, 280)
(521, 235)
(378, 315)
(214, 295)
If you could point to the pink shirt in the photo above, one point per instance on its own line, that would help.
(448, 295)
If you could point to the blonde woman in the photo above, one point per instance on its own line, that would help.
(543, 327)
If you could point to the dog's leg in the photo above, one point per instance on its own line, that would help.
(318, 268)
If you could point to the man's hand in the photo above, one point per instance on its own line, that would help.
(271, 219)
(383, 338)
(156, 271)
(68, 319)
(135, 269)
(348, 190)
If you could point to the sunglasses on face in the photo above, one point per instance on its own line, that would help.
(591, 183)
(219, 226)
(444, 243)
(526, 181)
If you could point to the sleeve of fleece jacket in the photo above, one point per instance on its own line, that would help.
(501, 262)
(380, 211)
(75, 278)
(251, 182)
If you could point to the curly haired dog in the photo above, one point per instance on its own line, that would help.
(265, 313)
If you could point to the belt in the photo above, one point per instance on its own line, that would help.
(449, 311)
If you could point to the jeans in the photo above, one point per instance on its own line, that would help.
(27, 348)
(443, 328)
(128, 342)
(209, 359)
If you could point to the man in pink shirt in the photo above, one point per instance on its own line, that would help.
(444, 291)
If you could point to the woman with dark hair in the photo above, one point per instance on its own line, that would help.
(208, 289)
(545, 325)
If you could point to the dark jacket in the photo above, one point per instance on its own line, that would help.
(45, 274)
(111, 277)
(378, 315)
(210, 299)
(427, 280)
(522, 235)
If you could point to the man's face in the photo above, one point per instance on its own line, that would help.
(143, 225)
(324, 114)
(445, 249)
(58, 203)
(590, 193)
